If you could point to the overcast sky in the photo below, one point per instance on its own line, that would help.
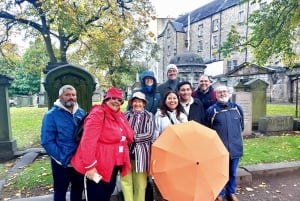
(173, 8)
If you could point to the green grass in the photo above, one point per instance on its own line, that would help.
(279, 109)
(26, 124)
(271, 149)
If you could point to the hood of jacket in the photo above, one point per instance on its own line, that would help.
(148, 73)
(60, 105)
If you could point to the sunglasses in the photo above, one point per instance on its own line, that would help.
(117, 99)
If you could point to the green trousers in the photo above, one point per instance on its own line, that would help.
(134, 185)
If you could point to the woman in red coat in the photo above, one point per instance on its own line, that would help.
(103, 149)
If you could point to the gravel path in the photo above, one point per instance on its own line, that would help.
(283, 187)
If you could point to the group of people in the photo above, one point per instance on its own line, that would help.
(114, 141)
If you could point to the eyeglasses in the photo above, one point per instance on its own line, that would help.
(222, 91)
(117, 99)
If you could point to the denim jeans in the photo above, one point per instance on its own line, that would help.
(230, 186)
(62, 177)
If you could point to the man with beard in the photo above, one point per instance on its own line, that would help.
(226, 117)
(205, 92)
(58, 127)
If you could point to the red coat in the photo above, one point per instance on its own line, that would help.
(101, 141)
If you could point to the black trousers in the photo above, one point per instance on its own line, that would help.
(103, 190)
(149, 190)
(62, 178)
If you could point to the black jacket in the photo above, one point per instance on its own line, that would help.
(197, 112)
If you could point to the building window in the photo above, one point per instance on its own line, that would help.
(215, 25)
(168, 33)
(196, 78)
(169, 51)
(241, 16)
(241, 13)
(231, 65)
(175, 51)
(200, 45)
(215, 42)
(200, 30)
(184, 76)
(262, 4)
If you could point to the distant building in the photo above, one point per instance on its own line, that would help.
(202, 31)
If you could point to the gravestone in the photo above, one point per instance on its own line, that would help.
(244, 99)
(82, 80)
(7, 144)
(276, 124)
(258, 88)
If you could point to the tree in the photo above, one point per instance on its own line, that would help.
(27, 74)
(274, 31)
(67, 22)
(93, 33)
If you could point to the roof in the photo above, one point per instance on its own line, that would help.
(205, 11)
(187, 59)
(247, 68)
(178, 27)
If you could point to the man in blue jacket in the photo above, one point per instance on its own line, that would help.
(227, 119)
(58, 127)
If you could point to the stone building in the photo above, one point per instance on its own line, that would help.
(202, 32)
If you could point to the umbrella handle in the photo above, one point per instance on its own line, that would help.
(152, 167)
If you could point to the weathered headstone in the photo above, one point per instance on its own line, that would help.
(244, 99)
(258, 88)
(82, 80)
(7, 144)
(275, 124)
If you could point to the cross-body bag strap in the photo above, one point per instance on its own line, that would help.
(171, 120)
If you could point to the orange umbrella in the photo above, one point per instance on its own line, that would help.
(189, 163)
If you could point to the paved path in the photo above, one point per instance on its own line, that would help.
(257, 182)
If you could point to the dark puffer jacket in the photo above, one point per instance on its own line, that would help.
(228, 121)
(207, 99)
(153, 97)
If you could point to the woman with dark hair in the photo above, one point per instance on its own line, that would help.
(170, 112)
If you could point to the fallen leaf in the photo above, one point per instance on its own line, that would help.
(249, 189)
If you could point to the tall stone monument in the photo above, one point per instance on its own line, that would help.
(82, 80)
(7, 144)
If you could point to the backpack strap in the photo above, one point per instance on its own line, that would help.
(213, 117)
(224, 110)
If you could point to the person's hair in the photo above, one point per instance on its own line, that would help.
(184, 83)
(204, 75)
(221, 87)
(164, 108)
(65, 87)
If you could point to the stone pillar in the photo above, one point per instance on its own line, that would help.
(7, 144)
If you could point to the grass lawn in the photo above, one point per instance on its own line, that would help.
(26, 125)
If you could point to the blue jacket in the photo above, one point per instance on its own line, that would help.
(228, 121)
(58, 127)
(153, 96)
